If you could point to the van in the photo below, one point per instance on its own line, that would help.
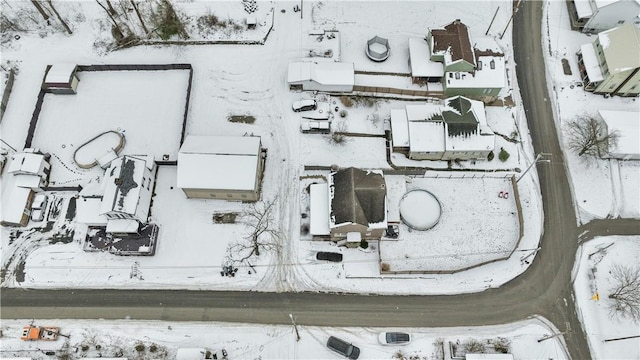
(343, 348)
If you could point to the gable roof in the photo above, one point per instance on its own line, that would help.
(455, 39)
(124, 181)
(460, 117)
(359, 197)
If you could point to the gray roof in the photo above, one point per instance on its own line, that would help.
(359, 197)
(461, 120)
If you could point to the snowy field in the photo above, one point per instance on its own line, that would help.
(602, 188)
(244, 341)
(592, 275)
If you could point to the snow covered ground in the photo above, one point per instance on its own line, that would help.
(602, 188)
(251, 80)
(161, 340)
(593, 276)
(230, 80)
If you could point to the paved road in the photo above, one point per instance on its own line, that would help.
(545, 289)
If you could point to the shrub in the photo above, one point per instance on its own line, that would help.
(502, 345)
(504, 155)
(343, 113)
(364, 244)
(474, 346)
(346, 101)
(153, 348)
(491, 156)
(140, 347)
(384, 267)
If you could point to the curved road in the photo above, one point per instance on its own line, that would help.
(545, 289)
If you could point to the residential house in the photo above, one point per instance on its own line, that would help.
(128, 186)
(611, 64)
(27, 173)
(593, 16)
(221, 167)
(321, 76)
(627, 125)
(465, 67)
(351, 206)
(455, 130)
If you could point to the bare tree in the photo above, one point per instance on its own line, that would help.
(263, 234)
(41, 10)
(144, 27)
(625, 292)
(589, 136)
(338, 132)
(64, 23)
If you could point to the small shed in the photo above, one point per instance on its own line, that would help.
(321, 76)
(251, 22)
(61, 79)
(16, 206)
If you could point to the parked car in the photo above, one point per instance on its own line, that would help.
(304, 105)
(343, 348)
(38, 207)
(329, 256)
(394, 338)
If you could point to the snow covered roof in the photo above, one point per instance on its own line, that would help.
(490, 68)
(60, 73)
(319, 208)
(28, 163)
(325, 73)
(123, 184)
(427, 136)
(88, 211)
(218, 162)
(583, 8)
(419, 56)
(122, 226)
(14, 200)
(628, 127)
(488, 357)
(399, 128)
(591, 65)
(620, 47)
(27, 181)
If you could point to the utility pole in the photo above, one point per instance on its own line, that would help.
(532, 163)
(515, 10)
(295, 327)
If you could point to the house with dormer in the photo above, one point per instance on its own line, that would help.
(350, 206)
(454, 130)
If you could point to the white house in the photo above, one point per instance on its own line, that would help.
(627, 125)
(221, 167)
(321, 76)
(128, 186)
(456, 130)
(27, 173)
(593, 16)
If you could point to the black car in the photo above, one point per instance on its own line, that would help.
(329, 256)
(343, 348)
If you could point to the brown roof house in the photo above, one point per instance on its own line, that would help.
(358, 205)
(469, 68)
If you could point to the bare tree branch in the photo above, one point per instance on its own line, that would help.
(625, 292)
(263, 232)
(589, 137)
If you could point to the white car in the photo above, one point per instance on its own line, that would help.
(394, 338)
(38, 207)
(304, 105)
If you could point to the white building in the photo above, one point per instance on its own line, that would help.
(128, 186)
(457, 130)
(321, 76)
(593, 16)
(221, 167)
(627, 125)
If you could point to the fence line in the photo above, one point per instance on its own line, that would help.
(7, 91)
(406, 92)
